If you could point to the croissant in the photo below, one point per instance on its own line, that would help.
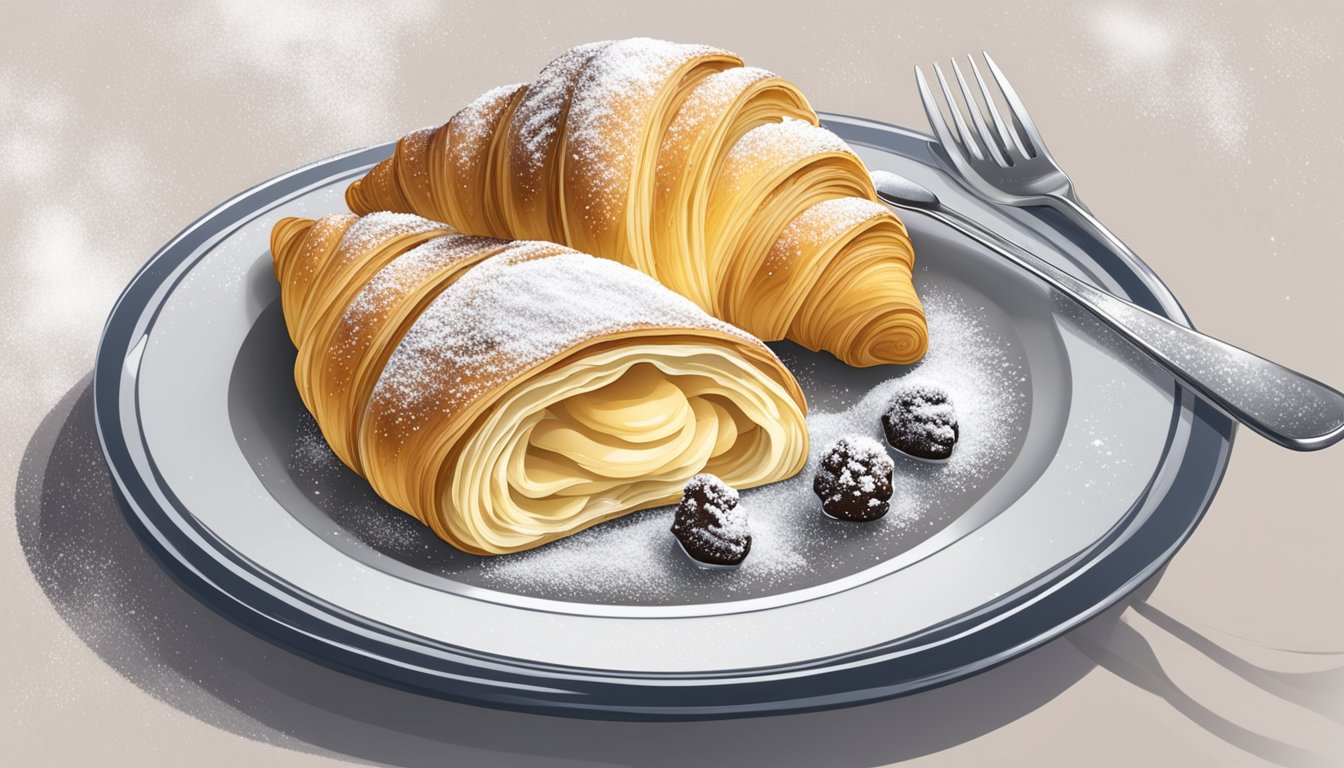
(508, 393)
(713, 177)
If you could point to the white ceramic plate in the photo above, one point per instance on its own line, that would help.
(1087, 467)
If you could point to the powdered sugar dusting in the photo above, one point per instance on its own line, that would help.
(824, 222)
(537, 119)
(729, 532)
(421, 133)
(854, 477)
(765, 144)
(931, 414)
(635, 560)
(608, 110)
(710, 98)
(410, 147)
(348, 500)
(380, 226)
(515, 310)
(1175, 72)
(308, 263)
(719, 536)
(712, 485)
(474, 125)
(409, 269)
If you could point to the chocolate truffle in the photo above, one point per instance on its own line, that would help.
(854, 479)
(920, 421)
(709, 524)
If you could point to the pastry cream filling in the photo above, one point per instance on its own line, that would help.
(617, 431)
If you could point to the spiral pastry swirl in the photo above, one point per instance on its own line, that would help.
(508, 393)
(711, 176)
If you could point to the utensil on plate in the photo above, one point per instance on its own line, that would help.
(1008, 165)
(1287, 407)
(1011, 165)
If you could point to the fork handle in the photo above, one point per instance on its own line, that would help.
(1073, 209)
(1287, 407)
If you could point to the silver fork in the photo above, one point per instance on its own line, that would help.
(1008, 163)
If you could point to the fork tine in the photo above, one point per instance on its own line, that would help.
(1031, 138)
(935, 115)
(1007, 139)
(968, 139)
(978, 119)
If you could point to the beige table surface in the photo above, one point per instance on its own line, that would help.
(1208, 137)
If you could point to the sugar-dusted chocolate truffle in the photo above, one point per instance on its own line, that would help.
(920, 421)
(709, 524)
(854, 479)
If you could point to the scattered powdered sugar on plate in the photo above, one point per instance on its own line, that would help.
(634, 559)
(347, 500)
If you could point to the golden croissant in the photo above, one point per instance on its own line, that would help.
(711, 176)
(508, 393)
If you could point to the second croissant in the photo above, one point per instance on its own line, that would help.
(711, 176)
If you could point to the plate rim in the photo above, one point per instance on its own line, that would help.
(949, 651)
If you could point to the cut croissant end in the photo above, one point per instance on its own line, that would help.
(684, 163)
(616, 427)
(507, 393)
